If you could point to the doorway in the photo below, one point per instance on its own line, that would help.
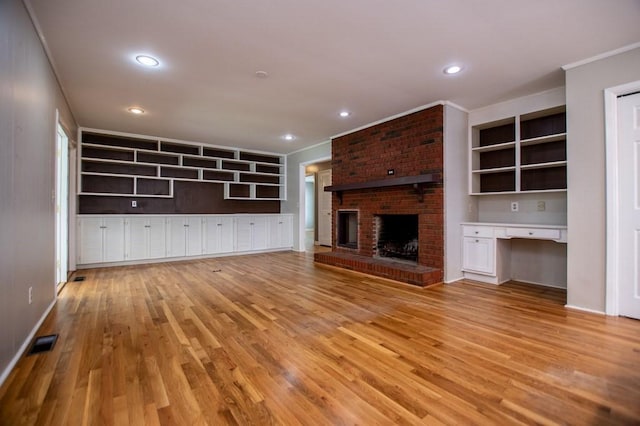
(310, 211)
(61, 207)
(324, 236)
(622, 110)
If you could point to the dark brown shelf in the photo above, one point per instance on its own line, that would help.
(417, 182)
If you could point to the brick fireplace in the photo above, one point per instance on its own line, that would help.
(391, 169)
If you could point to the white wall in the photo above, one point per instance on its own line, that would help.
(586, 201)
(295, 188)
(29, 96)
(458, 205)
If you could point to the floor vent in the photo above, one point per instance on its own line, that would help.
(78, 279)
(43, 344)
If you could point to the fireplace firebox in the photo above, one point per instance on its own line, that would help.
(397, 237)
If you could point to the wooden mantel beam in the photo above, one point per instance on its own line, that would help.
(416, 181)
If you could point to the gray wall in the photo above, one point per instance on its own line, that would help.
(295, 189)
(29, 96)
(586, 202)
(497, 208)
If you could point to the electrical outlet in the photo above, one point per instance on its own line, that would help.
(542, 206)
(30, 295)
(134, 203)
(515, 206)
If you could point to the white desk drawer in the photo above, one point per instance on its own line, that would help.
(477, 231)
(540, 234)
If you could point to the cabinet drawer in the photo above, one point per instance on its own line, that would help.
(477, 231)
(540, 234)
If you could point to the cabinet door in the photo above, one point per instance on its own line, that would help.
(156, 237)
(478, 255)
(211, 238)
(260, 231)
(113, 239)
(226, 234)
(194, 235)
(89, 240)
(176, 240)
(280, 231)
(244, 233)
(136, 236)
(218, 235)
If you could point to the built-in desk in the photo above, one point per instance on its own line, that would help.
(486, 252)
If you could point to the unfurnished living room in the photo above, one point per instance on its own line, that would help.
(319, 212)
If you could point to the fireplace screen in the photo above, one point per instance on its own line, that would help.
(397, 236)
(348, 229)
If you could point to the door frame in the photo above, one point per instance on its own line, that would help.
(612, 194)
(302, 197)
(61, 203)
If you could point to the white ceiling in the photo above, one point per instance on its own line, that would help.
(375, 58)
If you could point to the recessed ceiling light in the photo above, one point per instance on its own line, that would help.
(135, 110)
(288, 137)
(262, 74)
(452, 69)
(344, 114)
(147, 61)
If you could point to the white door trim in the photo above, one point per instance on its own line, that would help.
(302, 198)
(612, 212)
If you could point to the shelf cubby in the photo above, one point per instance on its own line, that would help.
(182, 173)
(153, 186)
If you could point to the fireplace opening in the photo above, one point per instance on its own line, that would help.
(348, 229)
(397, 237)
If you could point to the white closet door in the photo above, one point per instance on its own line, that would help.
(629, 207)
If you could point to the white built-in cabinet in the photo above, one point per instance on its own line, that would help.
(280, 231)
(136, 238)
(101, 239)
(486, 247)
(145, 238)
(478, 253)
(251, 233)
(184, 236)
(218, 234)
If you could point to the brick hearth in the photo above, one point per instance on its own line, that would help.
(410, 146)
(398, 271)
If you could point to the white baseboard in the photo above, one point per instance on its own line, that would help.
(25, 344)
(540, 284)
(178, 259)
(578, 308)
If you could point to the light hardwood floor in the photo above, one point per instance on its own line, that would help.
(273, 339)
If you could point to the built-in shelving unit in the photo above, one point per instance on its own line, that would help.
(522, 153)
(117, 164)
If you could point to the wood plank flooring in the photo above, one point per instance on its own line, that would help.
(274, 339)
